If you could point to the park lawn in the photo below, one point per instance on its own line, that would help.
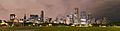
(60, 29)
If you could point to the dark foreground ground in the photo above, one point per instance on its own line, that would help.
(60, 29)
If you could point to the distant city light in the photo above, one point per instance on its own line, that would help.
(83, 23)
(55, 22)
(38, 19)
(21, 21)
(83, 19)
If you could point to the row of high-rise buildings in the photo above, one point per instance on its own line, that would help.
(32, 17)
(79, 17)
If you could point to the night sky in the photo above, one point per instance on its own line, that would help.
(54, 8)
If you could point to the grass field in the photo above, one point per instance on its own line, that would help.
(61, 29)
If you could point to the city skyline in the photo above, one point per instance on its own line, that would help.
(59, 15)
(54, 8)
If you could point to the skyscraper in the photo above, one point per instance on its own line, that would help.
(24, 20)
(42, 16)
(77, 15)
(83, 18)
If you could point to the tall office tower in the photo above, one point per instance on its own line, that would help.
(77, 14)
(83, 18)
(90, 18)
(12, 16)
(42, 16)
(24, 19)
(75, 19)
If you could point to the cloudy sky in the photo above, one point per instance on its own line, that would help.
(55, 8)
